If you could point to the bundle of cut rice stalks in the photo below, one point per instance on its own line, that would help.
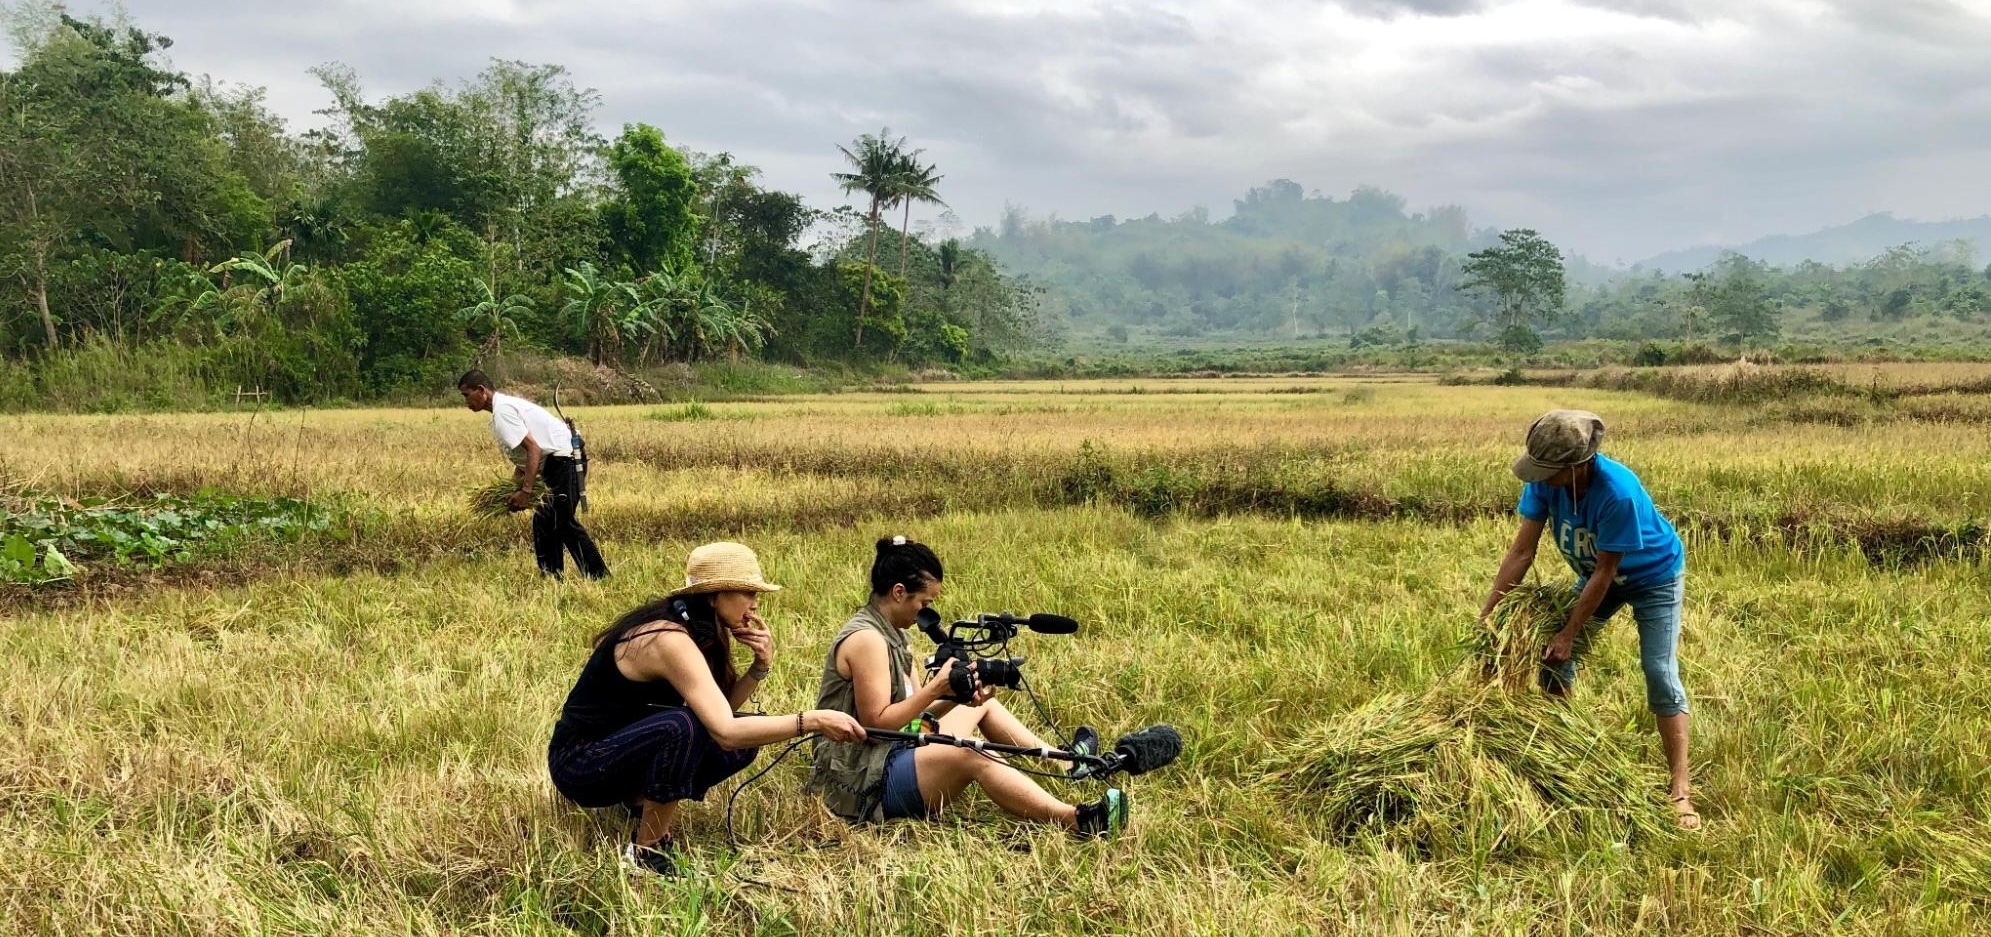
(1483, 763)
(494, 499)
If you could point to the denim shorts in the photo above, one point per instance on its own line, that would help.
(1656, 609)
(902, 800)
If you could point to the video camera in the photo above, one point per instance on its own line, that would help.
(981, 645)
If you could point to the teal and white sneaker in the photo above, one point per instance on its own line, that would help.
(1085, 741)
(1107, 818)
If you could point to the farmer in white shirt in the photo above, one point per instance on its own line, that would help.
(539, 446)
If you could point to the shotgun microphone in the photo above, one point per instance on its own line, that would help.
(1042, 622)
(1144, 750)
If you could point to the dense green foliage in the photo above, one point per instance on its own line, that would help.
(420, 234)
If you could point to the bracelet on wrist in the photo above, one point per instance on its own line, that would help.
(758, 674)
(799, 731)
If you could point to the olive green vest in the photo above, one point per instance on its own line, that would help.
(851, 778)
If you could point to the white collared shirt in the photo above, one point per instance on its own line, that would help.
(513, 418)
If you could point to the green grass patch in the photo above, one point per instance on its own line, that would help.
(44, 538)
(693, 412)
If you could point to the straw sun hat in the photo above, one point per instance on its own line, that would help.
(723, 567)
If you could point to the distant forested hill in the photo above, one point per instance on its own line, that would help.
(1285, 263)
(1363, 271)
(1846, 244)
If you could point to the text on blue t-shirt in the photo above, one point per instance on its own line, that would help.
(1615, 515)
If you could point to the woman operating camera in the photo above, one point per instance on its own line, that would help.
(650, 722)
(869, 674)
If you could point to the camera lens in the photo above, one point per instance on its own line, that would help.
(997, 671)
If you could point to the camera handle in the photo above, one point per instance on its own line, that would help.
(1101, 764)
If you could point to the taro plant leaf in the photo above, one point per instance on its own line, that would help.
(57, 565)
(18, 550)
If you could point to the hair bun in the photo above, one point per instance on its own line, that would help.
(887, 544)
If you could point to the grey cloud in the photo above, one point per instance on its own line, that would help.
(1389, 9)
(1934, 22)
(1619, 147)
(1681, 11)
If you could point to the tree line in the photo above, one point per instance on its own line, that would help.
(418, 234)
(1291, 264)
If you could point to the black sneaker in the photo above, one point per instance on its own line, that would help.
(1085, 741)
(1107, 818)
(658, 858)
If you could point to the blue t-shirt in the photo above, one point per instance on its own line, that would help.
(1615, 515)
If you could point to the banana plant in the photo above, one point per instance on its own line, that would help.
(597, 306)
(496, 316)
(271, 275)
(660, 296)
(721, 326)
(186, 294)
(745, 331)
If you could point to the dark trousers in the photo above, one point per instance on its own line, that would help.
(555, 530)
(665, 757)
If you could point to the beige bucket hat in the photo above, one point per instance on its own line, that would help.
(1557, 440)
(723, 567)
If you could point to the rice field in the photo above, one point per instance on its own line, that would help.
(346, 735)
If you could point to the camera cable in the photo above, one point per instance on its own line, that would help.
(733, 799)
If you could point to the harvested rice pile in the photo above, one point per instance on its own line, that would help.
(1482, 764)
(492, 500)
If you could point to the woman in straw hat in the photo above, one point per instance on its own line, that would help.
(869, 674)
(1624, 553)
(652, 722)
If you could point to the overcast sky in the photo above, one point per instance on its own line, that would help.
(1620, 128)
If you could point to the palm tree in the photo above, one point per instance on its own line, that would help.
(875, 162)
(426, 225)
(317, 228)
(914, 182)
(951, 262)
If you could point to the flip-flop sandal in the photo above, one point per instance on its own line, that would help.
(1681, 816)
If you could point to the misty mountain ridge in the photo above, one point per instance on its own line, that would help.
(1294, 264)
(1856, 242)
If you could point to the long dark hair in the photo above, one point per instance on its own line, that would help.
(694, 614)
(902, 562)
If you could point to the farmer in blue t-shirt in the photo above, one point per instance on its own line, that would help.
(1623, 552)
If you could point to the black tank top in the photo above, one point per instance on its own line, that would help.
(603, 700)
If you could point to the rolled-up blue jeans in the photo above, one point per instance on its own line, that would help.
(1656, 609)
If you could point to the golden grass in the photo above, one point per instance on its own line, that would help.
(1418, 440)
(1483, 763)
(309, 753)
(493, 499)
